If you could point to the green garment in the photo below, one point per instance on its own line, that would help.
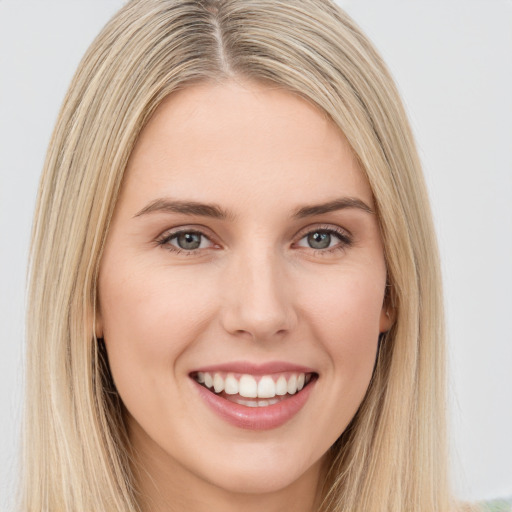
(497, 506)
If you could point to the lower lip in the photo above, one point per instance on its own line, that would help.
(256, 418)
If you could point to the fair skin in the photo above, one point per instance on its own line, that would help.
(258, 284)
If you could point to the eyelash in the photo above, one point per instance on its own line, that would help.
(345, 240)
(164, 240)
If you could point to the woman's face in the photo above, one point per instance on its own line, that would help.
(244, 254)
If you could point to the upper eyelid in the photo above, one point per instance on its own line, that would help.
(203, 230)
(345, 240)
(164, 240)
(323, 227)
(207, 231)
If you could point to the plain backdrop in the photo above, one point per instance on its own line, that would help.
(452, 60)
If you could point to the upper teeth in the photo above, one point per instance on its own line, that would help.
(248, 386)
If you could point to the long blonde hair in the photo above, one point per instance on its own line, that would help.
(392, 457)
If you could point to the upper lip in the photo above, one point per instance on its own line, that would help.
(250, 368)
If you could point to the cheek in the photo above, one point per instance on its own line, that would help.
(149, 318)
(345, 316)
(346, 308)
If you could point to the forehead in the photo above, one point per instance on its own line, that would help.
(224, 141)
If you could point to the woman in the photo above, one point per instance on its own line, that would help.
(235, 294)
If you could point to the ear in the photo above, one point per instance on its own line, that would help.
(98, 322)
(388, 311)
(387, 316)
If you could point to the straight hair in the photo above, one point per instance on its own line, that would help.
(76, 454)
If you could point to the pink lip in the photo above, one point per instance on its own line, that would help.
(255, 369)
(256, 418)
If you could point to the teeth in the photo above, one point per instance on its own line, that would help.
(258, 403)
(281, 386)
(266, 387)
(247, 403)
(300, 381)
(218, 383)
(248, 387)
(231, 385)
(292, 385)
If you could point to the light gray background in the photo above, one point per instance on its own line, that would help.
(452, 61)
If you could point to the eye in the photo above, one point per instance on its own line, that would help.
(319, 240)
(185, 241)
(325, 240)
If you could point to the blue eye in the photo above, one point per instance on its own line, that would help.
(187, 241)
(325, 240)
(319, 240)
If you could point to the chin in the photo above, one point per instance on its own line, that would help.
(261, 469)
(259, 479)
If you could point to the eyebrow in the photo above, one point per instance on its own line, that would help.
(331, 206)
(216, 212)
(186, 208)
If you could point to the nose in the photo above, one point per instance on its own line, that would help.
(258, 298)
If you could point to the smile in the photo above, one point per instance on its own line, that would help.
(253, 390)
(255, 398)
